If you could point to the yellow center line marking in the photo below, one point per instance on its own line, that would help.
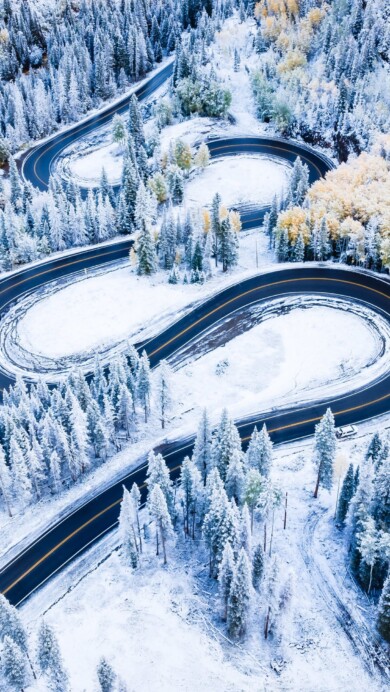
(105, 116)
(265, 146)
(283, 427)
(258, 288)
(175, 468)
(59, 266)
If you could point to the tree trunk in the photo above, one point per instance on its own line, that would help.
(272, 532)
(266, 625)
(318, 482)
(139, 531)
(163, 545)
(157, 546)
(370, 582)
(265, 538)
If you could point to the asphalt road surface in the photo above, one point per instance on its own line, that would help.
(78, 530)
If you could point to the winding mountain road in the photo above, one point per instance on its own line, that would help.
(79, 529)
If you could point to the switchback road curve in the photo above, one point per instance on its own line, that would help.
(81, 528)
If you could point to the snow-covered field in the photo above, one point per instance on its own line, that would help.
(239, 180)
(322, 346)
(160, 627)
(88, 167)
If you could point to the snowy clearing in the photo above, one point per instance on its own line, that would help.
(106, 308)
(321, 345)
(90, 165)
(239, 180)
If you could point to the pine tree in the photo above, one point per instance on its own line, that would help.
(146, 252)
(202, 447)
(216, 224)
(158, 474)
(258, 566)
(5, 482)
(374, 448)
(49, 658)
(325, 451)
(219, 527)
(239, 597)
(255, 487)
(299, 249)
(383, 619)
(246, 531)
(226, 443)
(106, 676)
(225, 577)
(118, 129)
(346, 494)
(11, 624)
(144, 385)
(164, 391)
(135, 122)
(368, 542)
(191, 489)
(158, 509)
(14, 665)
(136, 500)
(127, 531)
(235, 476)
(259, 452)
(272, 595)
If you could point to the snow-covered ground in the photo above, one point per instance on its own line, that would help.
(160, 627)
(239, 180)
(87, 167)
(302, 349)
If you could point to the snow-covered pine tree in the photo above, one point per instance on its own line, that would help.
(106, 676)
(14, 665)
(144, 384)
(11, 624)
(135, 123)
(136, 500)
(225, 577)
(146, 252)
(127, 531)
(164, 397)
(226, 443)
(259, 452)
(219, 527)
(325, 451)
(158, 474)
(258, 566)
(246, 531)
(271, 595)
(5, 482)
(191, 489)
(346, 494)
(158, 509)
(369, 545)
(235, 476)
(118, 129)
(49, 658)
(202, 447)
(239, 597)
(216, 224)
(255, 487)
